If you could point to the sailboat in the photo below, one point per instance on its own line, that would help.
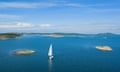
(50, 55)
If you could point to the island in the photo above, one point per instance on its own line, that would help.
(105, 34)
(24, 52)
(4, 36)
(55, 35)
(59, 35)
(104, 48)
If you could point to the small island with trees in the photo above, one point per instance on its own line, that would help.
(4, 36)
(104, 48)
(24, 52)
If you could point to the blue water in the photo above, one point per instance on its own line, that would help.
(71, 54)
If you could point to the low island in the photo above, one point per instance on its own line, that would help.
(56, 36)
(24, 52)
(5, 36)
(104, 48)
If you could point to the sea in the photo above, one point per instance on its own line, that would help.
(71, 54)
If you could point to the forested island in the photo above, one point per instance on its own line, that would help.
(72, 34)
(4, 36)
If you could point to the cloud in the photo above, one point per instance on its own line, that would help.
(38, 5)
(8, 16)
(24, 26)
(75, 5)
(81, 28)
(105, 10)
(45, 25)
(24, 5)
(44, 4)
(96, 28)
(90, 7)
(94, 7)
(17, 25)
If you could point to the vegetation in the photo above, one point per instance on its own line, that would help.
(9, 35)
(24, 52)
(71, 34)
(104, 48)
(17, 35)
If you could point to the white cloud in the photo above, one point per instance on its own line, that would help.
(74, 5)
(45, 25)
(45, 4)
(105, 10)
(8, 16)
(25, 26)
(24, 5)
(95, 28)
(90, 7)
(81, 28)
(17, 25)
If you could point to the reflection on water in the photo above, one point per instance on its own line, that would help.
(50, 65)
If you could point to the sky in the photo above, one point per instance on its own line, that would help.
(72, 16)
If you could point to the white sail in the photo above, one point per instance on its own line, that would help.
(50, 51)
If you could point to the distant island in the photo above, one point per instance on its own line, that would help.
(55, 35)
(4, 36)
(71, 34)
(106, 34)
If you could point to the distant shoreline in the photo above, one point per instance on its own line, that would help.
(4, 36)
